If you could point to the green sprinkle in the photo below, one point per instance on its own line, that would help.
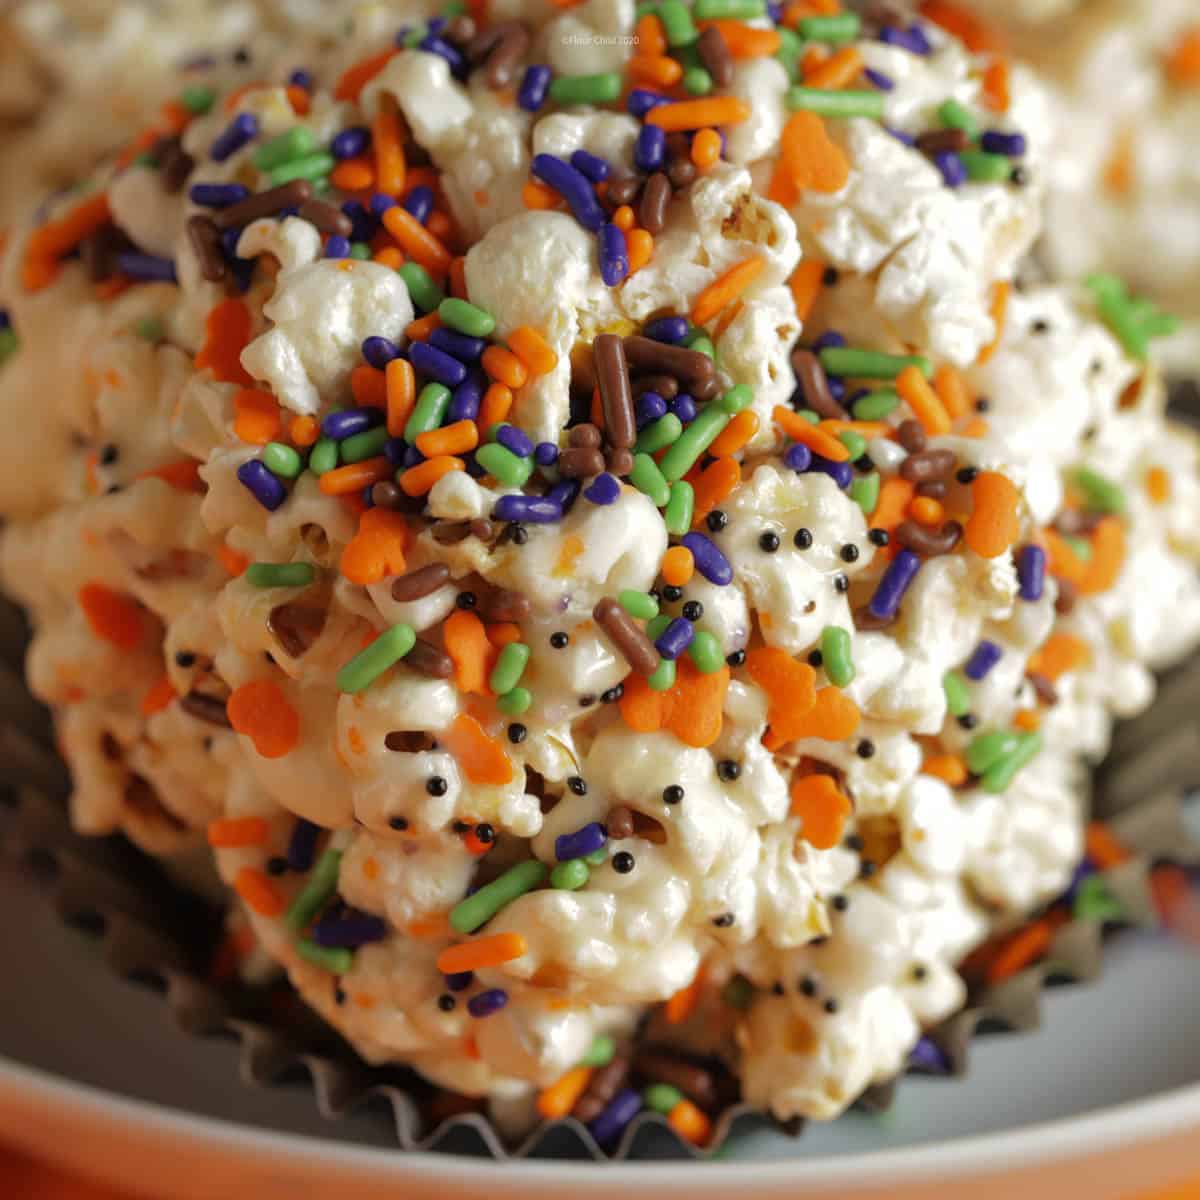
(987, 749)
(455, 8)
(837, 102)
(277, 575)
(788, 53)
(738, 993)
(677, 516)
(9, 344)
(677, 23)
(1080, 547)
(736, 10)
(648, 479)
(337, 960)
(466, 318)
(197, 99)
(361, 446)
(870, 364)
(693, 442)
(510, 666)
(586, 89)
(515, 701)
(811, 417)
(874, 406)
(738, 397)
(864, 491)
(415, 36)
(570, 876)
(360, 250)
(600, 1052)
(149, 329)
(504, 464)
(658, 434)
(429, 411)
(311, 167)
(317, 891)
(597, 858)
(384, 652)
(426, 294)
(697, 81)
(854, 442)
(699, 341)
(954, 116)
(663, 678)
(298, 142)
(705, 653)
(661, 1097)
(997, 778)
(656, 626)
(841, 28)
(1132, 322)
(483, 905)
(645, 8)
(836, 656)
(641, 605)
(146, 159)
(982, 167)
(323, 456)
(1102, 494)
(958, 696)
(1094, 901)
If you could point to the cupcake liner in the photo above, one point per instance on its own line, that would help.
(150, 931)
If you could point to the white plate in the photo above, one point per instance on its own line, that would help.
(1103, 1101)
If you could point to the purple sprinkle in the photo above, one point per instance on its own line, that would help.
(148, 268)
(351, 931)
(954, 174)
(1083, 869)
(301, 78)
(346, 422)
(621, 1109)
(684, 407)
(412, 457)
(302, 845)
(676, 638)
(483, 1004)
(1031, 572)
(514, 439)
(710, 562)
(573, 187)
(532, 510)
(337, 246)
(918, 41)
(650, 148)
(535, 83)
(983, 658)
(473, 468)
(641, 101)
(614, 254)
(667, 329)
(379, 351)
(928, 1058)
(883, 82)
(217, 195)
(902, 570)
(364, 222)
(775, 11)
(842, 473)
(368, 495)
(419, 202)
(268, 491)
(459, 981)
(798, 456)
(545, 454)
(837, 386)
(604, 489)
(1011, 145)
(380, 203)
(242, 129)
(650, 406)
(464, 404)
(5, 319)
(581, 843)
(564, 494)
(436, 24)
(460, 345)
(906, 138)
(394, 450)
(910, 39)
(437, 364)
(591, 165)
(829, 338)
(350, 142)
(443, 49)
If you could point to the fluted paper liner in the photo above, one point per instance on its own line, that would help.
(150, 932)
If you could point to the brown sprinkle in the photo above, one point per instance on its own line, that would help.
(482, 529)
(695, 1082)
(927, 541)
(580, 462)
(264, 204)
(620, 462)
(205, 708)
(419, 583)
(619, 823)
(502, 63)
(716, 56)
(295, 627)
(426, 658)
(403, 741)
(625, 190)
(586, 436)
(690, 367)
(616, 400)
(205, 240)
(460, 31)
(941, 141)
(666, 386)
(911, 435)
(814, 383)
(1076, 522)
(928, 464)
(604, 1085)
(1064, 602)
(326, 217)
(627, 635)
(865, 619)
(507, 605)
(177, 165)
(656, 195)
(934, 489)
(1043, 688)
(681, 173)
(386, 494)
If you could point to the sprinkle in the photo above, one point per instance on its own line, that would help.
(384, 652)
(950, 164)
(728, 10)
(419, 202)
(484, 1004)
(650, 149)
(419, 479)
(914, 390)
(816, 440)
(615, 619)
(895, 582)
(458, 345)
(1102, 495)
(614, 255)
(234, 832)
(302, 845)
(417, 242)
(823, 809)
(427, 359)
(265, 487)
(348, 932)
(379, 351)
(491, 951)
(710, 562)
(699, 114)
(275, 575)
(264, 204)
(257, 892)
(1011, 145)
(426, 294)
(981, 167)
(659, 434)
(323, 457)
(479, 908)
(984, 657)
(534, 86)
(604, 489)
(242, 129)
(603, 88)
(997, 777)
(316, 893)
(507, 467)
(843, 27)
(1031, 572)
(581, 843)
(534, 510)
(612, 378)
(676, 638)
(836, 102)
(994, 524)
(620, 1110)
(147, 268)
(573, 186)
(351, 142)
(680, 508)
(509, 668)
(650, 407)
(836, 656)
(600, 1053)
(637, 604)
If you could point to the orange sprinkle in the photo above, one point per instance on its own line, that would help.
(690, 1123)
(683, 1003)
(416, 241)
(661, 70)
(699, 114)
(389, 256)
(713, 485)
(114, 617)
(426, 929)
(489, 951)
(925, 510)
(158, 697)
(976, 427)
(256, 418)
(790, 686)
(387, 142)
(183, 476)
(949, 768)
(1158, 485)
(726, 288)
(838, 71)
(745, 41)
(622, 218)
(304, 431)
(377, 548)
(474, 846)
(466, 642)
(996, 90)
(227, 330)
(353, 175)
(55, 238)
(258, 892)
(806, 283)
(481, 757)
(504, 366)
(1183, 60)
(261, 712)
(966, 26)
(726, 319)
(706, 149)
(440, 225)
(809, 160)
(998, 313)
(692, 709)
(817, 440)
(822, 807)
(501, 633)
(1064, 563)
(677, 566)
(240, 93)
(995, 523)
(541, 198)
(649, 37)
(639, 245)
(1060, 653)
(1027, 719)
(299, 99)
(868, 429)
(812, 59)
(741, 428)
(1108, 557)
(355, 78)
(422, 327)
(458, 276)
(914, 389)
(833, 716)
(417, 481)
(459, 438)
(237, 831)
(532, 349)
(233, 562)
(952, 391)
(110, 289)
(1171, 891)
(353, 477)
(559, 1098)
(495, 405)
(1024, 947)
(368, 386)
